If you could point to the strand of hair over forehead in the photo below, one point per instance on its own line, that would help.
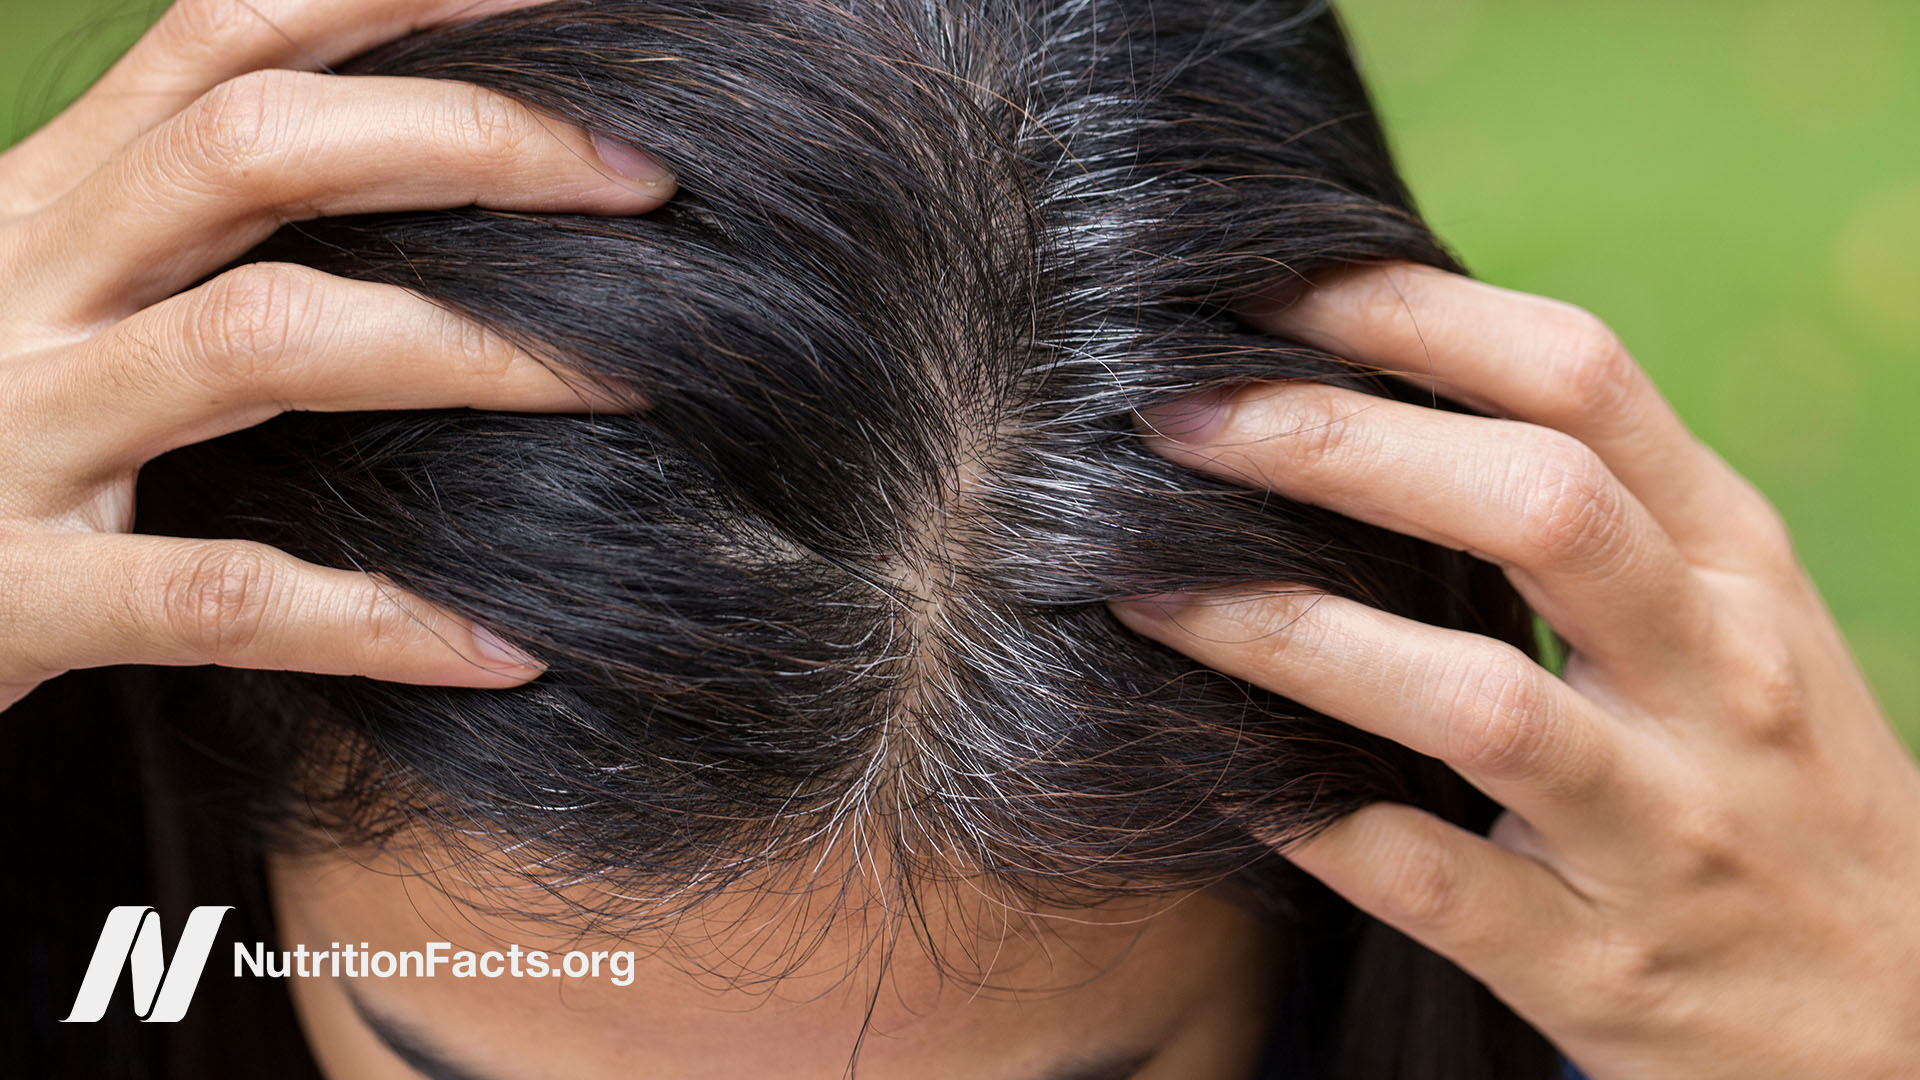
(838, 587)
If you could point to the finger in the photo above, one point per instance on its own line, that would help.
(276, 146)
(1548, 363)
(1517, 834)
(1504, 918)
(1480, 705)
(1580, 548)
(91, 599)
(257, 341)
(195, 46)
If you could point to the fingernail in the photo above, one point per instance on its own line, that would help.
(494, 649)
(630, 163)
(1191, 419)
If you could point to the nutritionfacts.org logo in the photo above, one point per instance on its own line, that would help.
(162, 988)
(130, 939)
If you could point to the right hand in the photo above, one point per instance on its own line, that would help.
(194, 148)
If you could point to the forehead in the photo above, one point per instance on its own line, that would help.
(785, 984)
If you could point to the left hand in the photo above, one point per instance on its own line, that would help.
(1710, 861)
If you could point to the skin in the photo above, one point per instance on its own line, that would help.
(1711, 845)
(1713, 836)
(180, 159)
(1168, 988)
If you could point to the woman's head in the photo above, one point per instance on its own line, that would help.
(823, 602)
(772, 977)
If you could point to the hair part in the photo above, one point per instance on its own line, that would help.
(840, 576)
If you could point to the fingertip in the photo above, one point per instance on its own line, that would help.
(503, 662)
(1150, 613)
(1282, 835)
(1190, 420)
(633, 169)
(1313, 307)
(1307, 848)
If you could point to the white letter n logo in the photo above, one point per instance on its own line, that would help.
(132, 937)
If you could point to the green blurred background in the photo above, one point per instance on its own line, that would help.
(1735, 186)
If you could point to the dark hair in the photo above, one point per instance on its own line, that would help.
(846, 567)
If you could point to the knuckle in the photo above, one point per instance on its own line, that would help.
(238, 123)
(1628, 982)
(1595, 373)
(384, 625)
(1569, 504)
(218, 598)
(1379, 297)
(1769, 690)
(197, 29)
(219, 20)
(1426, 888)
(1287, 627)
(1325, 427)
(1702, 840)
(1313, 427)
(475, 349)
(496, 125)
(1502, 722)
(243, 326)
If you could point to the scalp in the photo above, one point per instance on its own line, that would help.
(844, 574)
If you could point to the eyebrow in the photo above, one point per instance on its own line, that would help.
(420, 1055)
(1112, 1067)
(408, 1044)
